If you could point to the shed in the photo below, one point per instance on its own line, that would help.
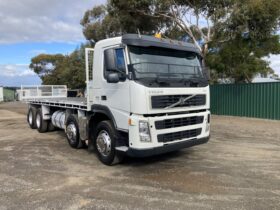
(7, 94)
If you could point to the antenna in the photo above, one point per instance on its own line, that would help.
(139, 34)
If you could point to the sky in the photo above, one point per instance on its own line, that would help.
(31, 27)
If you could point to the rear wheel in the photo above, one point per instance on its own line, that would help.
(41, 124)
(31, 117)
(73, 133)
(105, 142)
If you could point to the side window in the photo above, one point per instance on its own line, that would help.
(120, 59)
(120, 64)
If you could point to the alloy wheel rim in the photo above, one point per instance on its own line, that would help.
(103, 143)
(71, 132)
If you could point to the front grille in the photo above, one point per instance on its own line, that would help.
(178, 135)
(168, 100)
(178, 122)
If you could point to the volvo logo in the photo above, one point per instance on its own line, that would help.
(156, 92)
(181, 101)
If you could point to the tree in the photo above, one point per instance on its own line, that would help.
(232, 35)
(113, 19)
(61, 69)
(73, 69)
(250, 34)
(194, 18)
(97, 24)
(45, 66)
(241, 59)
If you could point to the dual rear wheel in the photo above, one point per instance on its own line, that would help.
(31, 117)
(35, 120)
(41, 124)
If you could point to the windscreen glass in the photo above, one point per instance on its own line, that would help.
(164, 65)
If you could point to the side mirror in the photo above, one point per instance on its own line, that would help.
(113, 78)
(110, 61)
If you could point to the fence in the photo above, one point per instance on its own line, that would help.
(259, 100)
(7, 94)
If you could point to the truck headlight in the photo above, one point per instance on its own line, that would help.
(144, 131)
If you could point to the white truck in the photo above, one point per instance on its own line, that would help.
(144, 96)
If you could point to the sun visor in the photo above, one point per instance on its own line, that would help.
(150, 41)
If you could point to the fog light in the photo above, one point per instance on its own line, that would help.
(144, 131)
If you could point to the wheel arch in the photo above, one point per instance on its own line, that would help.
(95, 118)
(99, 114)
(103, 111)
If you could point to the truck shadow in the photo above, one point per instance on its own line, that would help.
(171, 156)
(144, 161)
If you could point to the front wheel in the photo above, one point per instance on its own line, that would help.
(105, 141)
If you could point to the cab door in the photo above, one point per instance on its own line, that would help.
(115, 95)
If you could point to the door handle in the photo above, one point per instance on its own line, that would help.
(103, 98)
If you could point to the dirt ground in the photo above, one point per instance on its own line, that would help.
(239, 168)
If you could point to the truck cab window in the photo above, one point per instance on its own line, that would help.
(119, 63)
(120, 60)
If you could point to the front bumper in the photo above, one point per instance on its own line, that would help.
(132, 152)
(157, 133)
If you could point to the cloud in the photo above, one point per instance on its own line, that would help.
(42, 21)
(15, 70)
(36, 52)
(18, 81)
(274, 63)
(17, 74)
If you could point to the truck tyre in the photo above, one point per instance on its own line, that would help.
(31, 117)
(105, 141)
(41, 124)
(73, 133)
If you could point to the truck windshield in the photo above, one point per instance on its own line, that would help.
(165, 67)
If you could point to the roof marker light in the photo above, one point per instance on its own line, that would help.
(158, 35)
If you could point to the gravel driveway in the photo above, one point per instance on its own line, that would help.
(239, 168)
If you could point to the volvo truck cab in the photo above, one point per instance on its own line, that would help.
(156, 90)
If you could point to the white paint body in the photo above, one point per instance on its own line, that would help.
(130, 102)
